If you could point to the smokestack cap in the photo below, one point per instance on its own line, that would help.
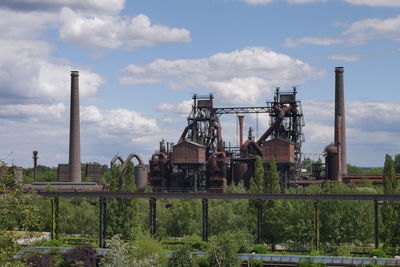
(339, 69)
(74, 73)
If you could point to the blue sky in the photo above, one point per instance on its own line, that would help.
(141, 61)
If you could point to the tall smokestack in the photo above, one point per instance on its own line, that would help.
(74, 132)
(241, 120)
(340, 122)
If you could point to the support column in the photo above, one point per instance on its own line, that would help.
(204, 202)
(102, 222)
(316, 225)
(54, 217)
(259, 221)
(153, 216)
(376, 209)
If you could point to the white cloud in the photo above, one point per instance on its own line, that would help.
(357, 33)
(93, 6)
(304, 1)
(258, 2)
(25, 25)
(361, 31)
(347, 58)
(265, 2)
(118, 121)
(182, 108)
(106, 32)
(375, 3)
(28, 74)
(312, 40)
(241, 76)
(32, 112)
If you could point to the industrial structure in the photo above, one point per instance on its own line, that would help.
(336, 165)
(201, 161)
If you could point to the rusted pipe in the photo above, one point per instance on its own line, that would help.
(241, 122)
(281, 115)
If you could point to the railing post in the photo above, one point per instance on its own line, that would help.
(153, 216)
(259, 221)
(102, 222)
(204, 202)
(376, 211)
(316, 225)
(54, 217)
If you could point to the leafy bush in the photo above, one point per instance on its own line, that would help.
(310, 263)
(181, 257)
(379, 253)
(201, 261)
(260, 249)
(40, 260)
(223, 250)
(80, 255)
(256, 263)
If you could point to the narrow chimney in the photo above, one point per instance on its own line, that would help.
(74, 132)
(241, 120)
(35, 158)
(340, 122)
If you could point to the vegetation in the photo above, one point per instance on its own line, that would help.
(232, 223)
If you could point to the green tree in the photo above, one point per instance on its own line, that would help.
(16, 207)
(257, 183)
(390, 214)
(122, 213)
(397, 163)
(223, 251)
(389, 176)
(273, 185)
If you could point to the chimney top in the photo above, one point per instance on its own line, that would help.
(339, 69)
(74, 73)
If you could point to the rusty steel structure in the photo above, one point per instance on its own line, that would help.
(201, 162)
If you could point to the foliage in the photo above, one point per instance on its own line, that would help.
(181, 257)
(260, 249)
(40, 260)
(310, 263)
(187, 210)
(379, 253)
(257, 183)
(390, 214)
(143, 252)
(223, 250)
(45, 174)
(255, 263)
(146, 247)
(397, 163)
(273, 185)
(82, 255)
(201, 262)
(122, 213)
(16, 213)
(389, 176)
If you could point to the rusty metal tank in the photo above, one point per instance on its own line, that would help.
(141, 178)
(331, 162)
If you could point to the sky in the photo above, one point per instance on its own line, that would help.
(140, 62)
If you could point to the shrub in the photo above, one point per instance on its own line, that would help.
(201, 261)
(260, 249)
(40, 260)
(256, 263)
(379, 253)
(181, 257)
(80, 255)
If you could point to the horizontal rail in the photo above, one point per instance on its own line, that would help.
(249, 196)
